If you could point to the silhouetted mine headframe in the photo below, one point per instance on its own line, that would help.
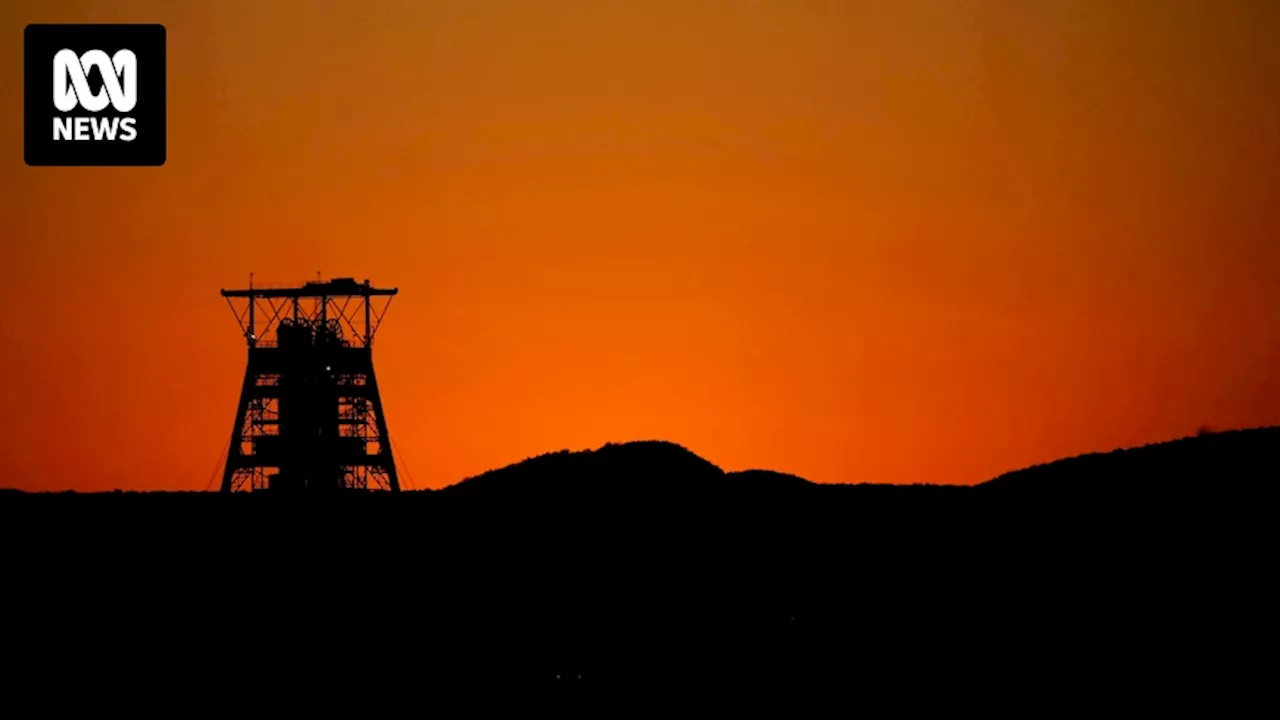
(310, 416)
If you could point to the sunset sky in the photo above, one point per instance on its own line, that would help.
(856, 241)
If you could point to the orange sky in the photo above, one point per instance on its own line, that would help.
(857, 241)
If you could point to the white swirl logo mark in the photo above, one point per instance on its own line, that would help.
(119, 80)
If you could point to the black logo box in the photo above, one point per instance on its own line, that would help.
(41, 42)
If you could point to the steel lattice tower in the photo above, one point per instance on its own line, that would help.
(310, 416)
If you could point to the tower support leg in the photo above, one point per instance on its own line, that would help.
(384, 439)
(234, 450)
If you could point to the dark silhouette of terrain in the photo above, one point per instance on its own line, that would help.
(1143, 576)
(645, 468)
(638, 580)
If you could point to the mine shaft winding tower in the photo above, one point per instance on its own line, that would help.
(310, 416)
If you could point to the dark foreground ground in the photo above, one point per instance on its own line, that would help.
(640, 581)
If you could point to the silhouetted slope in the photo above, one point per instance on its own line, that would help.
(1143, 571)
(1191, 463)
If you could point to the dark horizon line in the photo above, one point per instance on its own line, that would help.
(1202, 432)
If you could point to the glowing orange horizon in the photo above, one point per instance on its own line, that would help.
(855, 241)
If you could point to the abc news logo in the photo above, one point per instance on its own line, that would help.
(108, 101)
(71, 88)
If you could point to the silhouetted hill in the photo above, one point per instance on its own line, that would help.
(768, 481)
(643, 468)
(640, 580)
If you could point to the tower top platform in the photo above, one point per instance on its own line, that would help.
(334, 287)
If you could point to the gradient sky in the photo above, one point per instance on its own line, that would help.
(857, 241)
